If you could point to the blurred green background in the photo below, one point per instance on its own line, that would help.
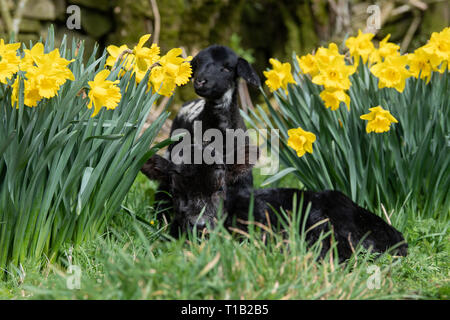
(260, 29)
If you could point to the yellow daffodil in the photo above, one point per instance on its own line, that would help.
(332, 98)
(114, 53)
(384, 50)
(360, 46)
(334, 75)
(392, 72)
(183, 74)
(31, 93)
(47, 86)
(177, 66)
(9, 60)
(162, 82)
(31, 56)
(45, 73)
(379, 120)
(419, 64)
(301, 141)
(387, 48)
(49, 73)
(140, 60)
(144, 57)
(325, 56)
(172, 71)
(103, 93)
(438, 49)
(279, 76)
(308, 64)
(141, 53)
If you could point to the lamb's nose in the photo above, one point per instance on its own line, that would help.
(200, 82)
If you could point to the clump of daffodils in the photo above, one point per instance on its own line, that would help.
(167, 72)
(138, 60)
(432, 57)
(387, 64)
(391, 68)
(332, 70)
(438, 50)
(43, 73)
(327, 67)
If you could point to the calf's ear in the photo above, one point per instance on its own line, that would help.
(157, 168)
(246, 72)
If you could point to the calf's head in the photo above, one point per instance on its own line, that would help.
(216, 69)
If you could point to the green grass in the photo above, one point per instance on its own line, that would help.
(135, 260)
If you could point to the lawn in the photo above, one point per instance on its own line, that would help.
(135, 259)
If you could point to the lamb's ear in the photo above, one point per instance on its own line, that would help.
(157, 168)
(246, 72)
(242, 165)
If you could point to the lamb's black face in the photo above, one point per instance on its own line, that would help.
(215, 70)
(198, 191)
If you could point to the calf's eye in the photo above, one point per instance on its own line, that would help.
(225, 69)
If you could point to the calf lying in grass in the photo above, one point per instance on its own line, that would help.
(199, 190)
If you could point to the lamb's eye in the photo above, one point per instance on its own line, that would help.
(225, 69)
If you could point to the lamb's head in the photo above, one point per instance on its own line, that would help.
(216, 69)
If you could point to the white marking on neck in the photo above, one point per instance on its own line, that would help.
(225, 101)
